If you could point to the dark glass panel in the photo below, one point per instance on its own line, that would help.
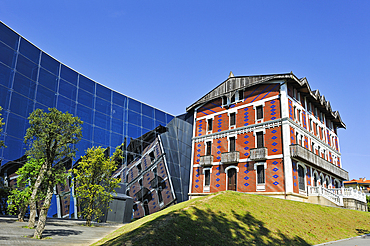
(115, 140)
(148, 111)
(82, 146)
(117, 126)
(102, 120)
(5, 75)
(17, 149)
(117, 112)
(148, 123)
(103, 92)
(7, 55)
(24, 86)
(50, 63)
(29, 51)
(8, 36)
(48, 80)
(169, 118)
(119, 99)
(101, 136)
(21, 105)
(68, 90)
(85, 98)
(87, 131)
(85, 113)
(133, 131)
(68, 74)
(65, 105)
(134, 118)
(159, 115)
(45, 96)
(16, 126)
(86, 84)
(102, 106)
(40, 106)
(27, 68)
(134, 105)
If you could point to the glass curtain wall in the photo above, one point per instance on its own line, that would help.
(31, 79)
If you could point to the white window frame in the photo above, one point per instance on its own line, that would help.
(255, 111)
(255, 136)
(260, 187)
(206, 188)
(228, 141)
(227, 176)
(304, 175)
(229, 115)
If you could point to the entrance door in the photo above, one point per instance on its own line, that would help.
(231, 175)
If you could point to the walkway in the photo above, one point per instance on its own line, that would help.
(61, 232)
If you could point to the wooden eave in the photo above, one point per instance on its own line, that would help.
(235, 83)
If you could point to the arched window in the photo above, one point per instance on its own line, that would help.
(321, 180)
(327, 181)
(315, 179)
(301, 179)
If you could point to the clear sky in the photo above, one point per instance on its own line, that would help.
(170, 53)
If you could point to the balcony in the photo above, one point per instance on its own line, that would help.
(230, 157)
(258, 154)
(157, 182)
(300, 153)
(142, 193)
(206, 160)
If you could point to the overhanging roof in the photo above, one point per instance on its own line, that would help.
(234, 83)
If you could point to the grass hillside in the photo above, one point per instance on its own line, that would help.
(232, 218)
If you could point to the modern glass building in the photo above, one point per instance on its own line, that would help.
(31, 79)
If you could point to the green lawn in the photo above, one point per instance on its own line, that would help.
(232, 218)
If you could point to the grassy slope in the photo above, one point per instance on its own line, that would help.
(231, 218)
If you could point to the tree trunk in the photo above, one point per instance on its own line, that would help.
(43, 213)
(22, 212)
(40, 177)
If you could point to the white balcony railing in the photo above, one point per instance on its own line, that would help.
(258, 154)
(206, 160)
(230, 157)
(338, 194)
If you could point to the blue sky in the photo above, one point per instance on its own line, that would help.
(170, 53)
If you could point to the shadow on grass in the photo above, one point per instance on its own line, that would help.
(362, 231)
(200, 227)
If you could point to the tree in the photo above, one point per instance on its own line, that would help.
(19, 197)
(4, 191)
(368, 203)
(51, 136)
(93, 182)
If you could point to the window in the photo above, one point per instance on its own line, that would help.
(260, 143)
(260, 174)
(296, 138)
(313, 147)
(159, 192)
(294, 113)
(210, 121)
(309, 106)
(259, 112)
(301, 183)
(232, 144)
(224, 100)
(241, 94)
(139, 167)
(152, 157)
(155, 171)
(299, 115)
(208, 148)
(232, 119)
(141, 183)
(128, 192)
(315, 179)
(233, 99)
(311, 126)
(207, 177)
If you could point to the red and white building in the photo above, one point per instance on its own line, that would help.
(270, 135)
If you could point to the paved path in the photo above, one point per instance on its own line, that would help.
(61, 231)
(356, 241)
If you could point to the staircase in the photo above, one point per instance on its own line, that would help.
(341, 197)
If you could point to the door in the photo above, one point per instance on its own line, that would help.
(231, 175)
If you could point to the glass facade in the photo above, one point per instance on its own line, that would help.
(31, 79)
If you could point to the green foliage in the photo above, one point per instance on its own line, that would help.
(18, 199)
(368, 203)
(52, 135)
(94, 184)
(1, 129)
(4, 193)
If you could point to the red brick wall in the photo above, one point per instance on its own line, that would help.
(273, 141)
